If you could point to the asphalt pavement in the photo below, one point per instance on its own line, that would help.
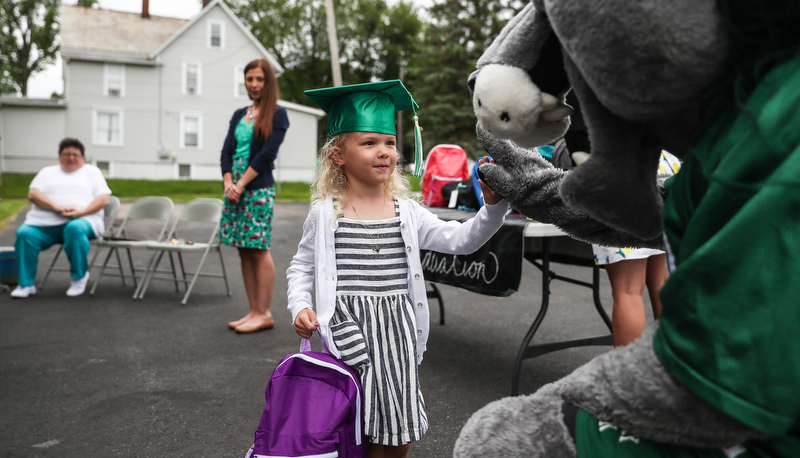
(106, 375)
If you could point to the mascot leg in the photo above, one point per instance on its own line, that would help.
(626, 387)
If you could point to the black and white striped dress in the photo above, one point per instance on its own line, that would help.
(374, 327)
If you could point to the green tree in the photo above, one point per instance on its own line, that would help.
(28, 40)
(87, 3)
(294, 32)
(7, 85)
(457, 35)
(375, 40)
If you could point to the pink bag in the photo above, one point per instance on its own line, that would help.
(445, 164)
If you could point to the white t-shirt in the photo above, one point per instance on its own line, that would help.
(75, 189)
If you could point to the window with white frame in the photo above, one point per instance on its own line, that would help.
(184, 170)
(192, 78)
(191, 130)
(114, 80)
(239, 89)
(107, 126)
(104, 166)
(216, 34)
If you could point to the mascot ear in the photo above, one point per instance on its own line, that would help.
(517, 109)
(626, 96)
(512, 98)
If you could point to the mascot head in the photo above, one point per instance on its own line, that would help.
(648, 76)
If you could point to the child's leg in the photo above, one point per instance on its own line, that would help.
(657, 275)
(388, 451)
(627, 287)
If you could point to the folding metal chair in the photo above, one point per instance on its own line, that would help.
(147, 216)
(109, 216)
(198, 212)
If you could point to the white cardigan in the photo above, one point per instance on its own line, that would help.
(315, 261)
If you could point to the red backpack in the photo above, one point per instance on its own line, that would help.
(445, 164)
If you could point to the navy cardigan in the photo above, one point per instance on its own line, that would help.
(262, 152)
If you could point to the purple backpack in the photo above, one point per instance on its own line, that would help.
(314, 408)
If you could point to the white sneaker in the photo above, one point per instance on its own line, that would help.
(78, 286)
(21, 292)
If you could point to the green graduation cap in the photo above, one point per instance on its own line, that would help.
(369, 107)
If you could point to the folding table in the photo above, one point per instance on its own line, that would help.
(543, 244)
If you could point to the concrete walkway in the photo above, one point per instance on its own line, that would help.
(105, 375)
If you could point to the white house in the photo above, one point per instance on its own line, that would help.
(150, 97)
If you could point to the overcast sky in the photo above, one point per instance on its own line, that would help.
(43, 84)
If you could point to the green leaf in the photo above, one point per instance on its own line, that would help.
(27, 42)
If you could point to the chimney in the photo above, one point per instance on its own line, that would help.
(146, 9)
(206, 2)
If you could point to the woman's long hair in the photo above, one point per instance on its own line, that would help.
(332, 182)
(269, 97)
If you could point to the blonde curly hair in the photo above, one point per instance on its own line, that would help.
(331, 180)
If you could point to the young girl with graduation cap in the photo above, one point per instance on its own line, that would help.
(360, 252)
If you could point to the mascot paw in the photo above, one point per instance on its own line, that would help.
(510, 106)
(516, 427)
(521, 176)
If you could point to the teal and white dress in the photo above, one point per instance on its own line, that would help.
(247, 223)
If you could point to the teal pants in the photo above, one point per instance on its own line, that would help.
(74, 236)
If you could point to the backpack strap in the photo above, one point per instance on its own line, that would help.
(305, 344)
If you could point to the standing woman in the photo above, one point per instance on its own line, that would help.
(247, 160)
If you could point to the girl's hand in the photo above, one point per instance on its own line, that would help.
(306, 323)
(489, 196)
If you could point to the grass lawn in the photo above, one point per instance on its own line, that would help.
(15, 186)
(14, 191)
(9, 208)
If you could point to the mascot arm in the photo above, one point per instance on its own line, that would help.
(531, 185)
(629, 388)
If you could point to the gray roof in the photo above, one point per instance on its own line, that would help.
(90, 31)
(15, 101)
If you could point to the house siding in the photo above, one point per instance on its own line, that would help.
(139, 107)
(216, 103)
(30, 137)
(151, 131)
(294, 163)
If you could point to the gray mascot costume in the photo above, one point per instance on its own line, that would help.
(716, 83)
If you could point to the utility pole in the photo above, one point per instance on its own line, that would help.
(336, 69)
(399, 117)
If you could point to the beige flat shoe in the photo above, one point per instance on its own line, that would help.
(257, 324)
(243, 320)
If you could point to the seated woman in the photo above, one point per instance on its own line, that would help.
(68, 201)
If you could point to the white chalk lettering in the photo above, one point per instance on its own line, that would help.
(451, 265)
